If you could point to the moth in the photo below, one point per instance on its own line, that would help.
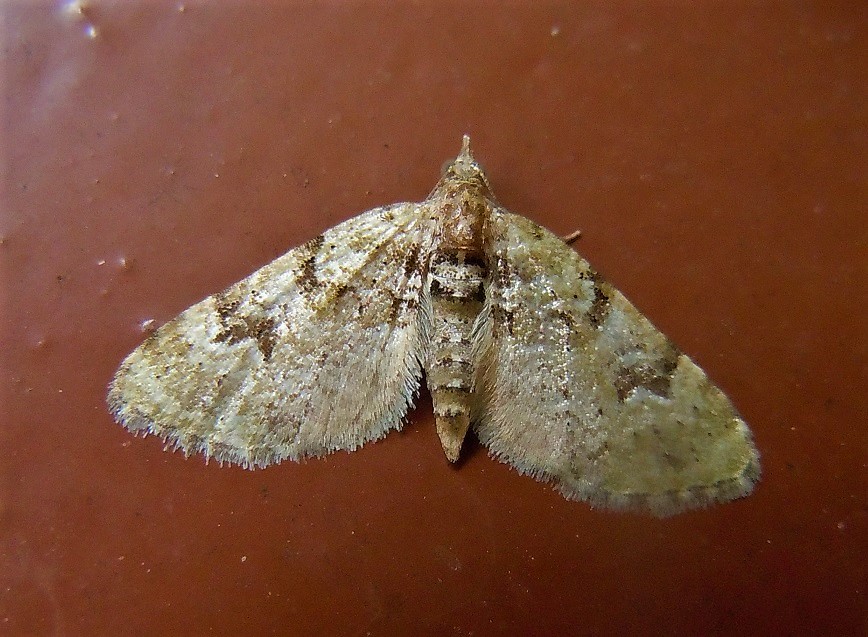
(516, 335)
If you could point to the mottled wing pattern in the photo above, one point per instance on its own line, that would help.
(317, 351)
(582, 390)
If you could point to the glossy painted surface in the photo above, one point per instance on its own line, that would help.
(155, 153)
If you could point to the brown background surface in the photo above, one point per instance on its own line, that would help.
(153, 153)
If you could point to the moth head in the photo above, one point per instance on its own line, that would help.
(464, 172)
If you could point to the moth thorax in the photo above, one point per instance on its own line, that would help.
(462, 222)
